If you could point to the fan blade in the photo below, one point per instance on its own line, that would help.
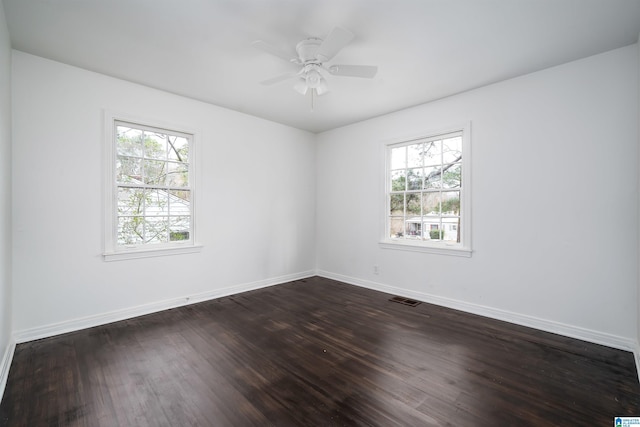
(259, 44)
(335, 41)
(279, 79)
(366, 71)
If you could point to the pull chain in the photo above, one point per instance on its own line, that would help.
(312, 98)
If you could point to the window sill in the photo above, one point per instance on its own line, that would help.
(431, 249)
(149, 253)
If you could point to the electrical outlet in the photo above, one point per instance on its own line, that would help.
(376, 269)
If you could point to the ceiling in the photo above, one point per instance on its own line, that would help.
(425, 49)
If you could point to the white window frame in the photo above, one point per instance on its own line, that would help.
(462, 249)
(113, 251)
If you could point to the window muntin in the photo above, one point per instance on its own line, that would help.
(425, 193)
(153, 194)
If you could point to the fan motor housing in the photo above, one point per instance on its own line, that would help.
(307, 49)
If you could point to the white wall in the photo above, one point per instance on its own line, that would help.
(5, 200)
(255, 205)
(554, 163)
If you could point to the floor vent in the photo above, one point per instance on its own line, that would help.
(405, 301)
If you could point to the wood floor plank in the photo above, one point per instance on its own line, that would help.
(316, 352)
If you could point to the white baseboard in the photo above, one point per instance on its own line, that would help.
(592, 336)
(5, 364)
(128, 313)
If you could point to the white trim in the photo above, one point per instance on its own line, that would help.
(149, 253)
(408, 245)
(571, 331)
(465, 248)
(141, 310)
(5, 365)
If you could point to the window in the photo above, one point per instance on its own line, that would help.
(427, 194)
(150, 190)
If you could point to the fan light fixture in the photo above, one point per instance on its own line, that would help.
(311, 79)
(301, 86)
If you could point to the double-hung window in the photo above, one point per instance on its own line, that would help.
(150, 190)
(427, 194)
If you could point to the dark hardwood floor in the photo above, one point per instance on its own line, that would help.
(316, 352)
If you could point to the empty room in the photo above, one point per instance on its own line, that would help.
(319, 213)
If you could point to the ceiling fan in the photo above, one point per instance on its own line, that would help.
(313, 53)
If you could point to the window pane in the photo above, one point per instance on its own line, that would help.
(396, 204)
(414, 179)
(452, 176)
(155, 172)
(128, 170)
(177, 174)
(128, 141)
(432, 153)
(431, 203)
(179, 228)
(399, 158)
(180, 202)
(451, 203)
(396, 227)
(450, 227)
(130, 230)
(156, 229)
(414, 155)
(398, 181)
(178, 148)
(130, 201)
(433, 229)
(414, 207)
(413, 228)
(452, 150)
(155, 146)
(432, 177)
(156, 202)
